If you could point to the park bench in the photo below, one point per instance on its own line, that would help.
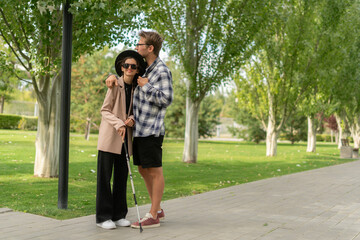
(346, 151)
(355, 153)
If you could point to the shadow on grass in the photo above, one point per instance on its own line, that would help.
(230, 143)
(321, 157)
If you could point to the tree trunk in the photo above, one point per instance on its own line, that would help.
(191, 131)
(340, 132)
(311, 139)
(47, 141)
(2, 101)
(355, 133)
(271, 138)
(87, 130)
(337, 137)
(356, 138)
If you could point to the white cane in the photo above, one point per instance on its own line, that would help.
(132, 183)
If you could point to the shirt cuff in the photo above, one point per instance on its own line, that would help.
(146, 87)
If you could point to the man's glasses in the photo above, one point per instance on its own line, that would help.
(127, 65)
(140, 44)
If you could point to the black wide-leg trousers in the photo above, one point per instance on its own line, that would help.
(111, 203)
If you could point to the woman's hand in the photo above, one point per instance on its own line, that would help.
(142, 81)
(121, 131)
(110, 81)
(129, 122)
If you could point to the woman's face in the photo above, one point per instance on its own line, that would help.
(128, 67)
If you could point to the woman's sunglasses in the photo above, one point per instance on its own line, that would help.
(126, 66)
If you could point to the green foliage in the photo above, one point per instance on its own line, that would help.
(210, 39)
(295, 128)
(206, 36)
(209, 115)
(324, 138)
(252, 94)
(218, 167)
(7, 73)
(33, 31)
(18, 122)
(39, 22)
(88, 87)
(175, 114)
(296, 55)
(346, 78)
(327, 46)
(250, 133)
(251, 129)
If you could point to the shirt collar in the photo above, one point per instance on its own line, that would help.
(152, 66)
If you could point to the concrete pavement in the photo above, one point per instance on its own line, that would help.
(321, 204)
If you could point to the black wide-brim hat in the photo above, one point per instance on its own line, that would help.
(132, 54)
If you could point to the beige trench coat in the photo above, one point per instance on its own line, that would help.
(114, 114)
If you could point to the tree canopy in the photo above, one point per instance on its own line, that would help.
(210, 39)
(33, 31)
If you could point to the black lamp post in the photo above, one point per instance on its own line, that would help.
(65, 107)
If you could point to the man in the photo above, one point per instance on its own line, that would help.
(152, 96)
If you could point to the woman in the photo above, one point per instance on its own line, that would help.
(115, 128)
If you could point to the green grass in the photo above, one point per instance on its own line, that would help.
(220, 164)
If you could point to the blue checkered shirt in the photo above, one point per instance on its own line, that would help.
(152, 99)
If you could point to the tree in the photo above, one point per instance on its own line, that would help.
(175, 115)
(88, 89)
(251, 129)
(346, 76)
(7, 82)
(210, 39)
(270, 88)
(324, 57)
(209, 115)
(282, 73)
(7, 75)
(331, 123)
(33, 31)
(351, 73)
(295, 128)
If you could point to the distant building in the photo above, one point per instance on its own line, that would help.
(222, 129)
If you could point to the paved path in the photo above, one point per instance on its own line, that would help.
(321, 204)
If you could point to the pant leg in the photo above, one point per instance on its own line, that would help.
(104, 198)
(119, 187)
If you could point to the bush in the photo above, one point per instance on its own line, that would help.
(323, 138)
(8, 121)
(293, 136)
(253, 133)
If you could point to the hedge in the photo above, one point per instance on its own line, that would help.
(9, 121)
(326, 138)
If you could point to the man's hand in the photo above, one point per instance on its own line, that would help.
(121, 131)
(110, 81)
(129, 122)
(142, 81)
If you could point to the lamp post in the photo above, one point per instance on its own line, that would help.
(65, 107)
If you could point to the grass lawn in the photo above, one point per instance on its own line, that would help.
(220, 164)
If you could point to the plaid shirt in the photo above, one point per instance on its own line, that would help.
(152, 99)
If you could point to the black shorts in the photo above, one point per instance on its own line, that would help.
(147, 151)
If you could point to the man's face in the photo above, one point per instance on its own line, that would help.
(142, 48)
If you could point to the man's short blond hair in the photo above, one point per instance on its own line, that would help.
(152, 38)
